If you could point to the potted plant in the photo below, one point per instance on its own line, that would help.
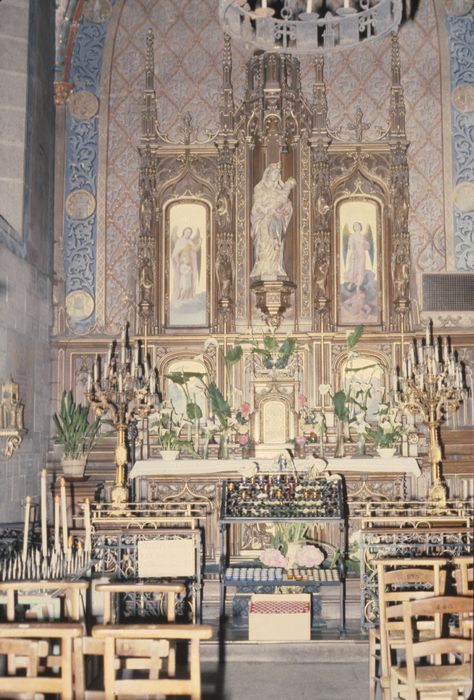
(387, 432)
(76, 434)
(168, 427)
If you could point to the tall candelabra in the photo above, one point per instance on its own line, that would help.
(126, 388)
(430, 383)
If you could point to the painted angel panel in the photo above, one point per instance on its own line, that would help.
(187, 264)
(359, 284)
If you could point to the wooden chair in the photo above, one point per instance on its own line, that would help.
(464, 575)
(48, 666)
(451, 671)
(71, 591)
(143, 647)
(398, 580)
(168, 591)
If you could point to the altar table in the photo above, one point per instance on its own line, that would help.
(201, 480)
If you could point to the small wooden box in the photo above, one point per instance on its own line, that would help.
(282, 617)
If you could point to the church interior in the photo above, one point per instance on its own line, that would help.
(236, 349)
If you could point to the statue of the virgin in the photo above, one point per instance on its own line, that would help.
(271, 214)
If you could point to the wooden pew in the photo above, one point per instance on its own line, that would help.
(125, 646)
(35, 642)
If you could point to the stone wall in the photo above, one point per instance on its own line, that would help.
(27, 162)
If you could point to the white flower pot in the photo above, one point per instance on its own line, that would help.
(386, 452)
(73, 468)
(169, 454)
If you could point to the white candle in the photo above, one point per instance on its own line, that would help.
(122, 353)
(96, 369)
(264, 3)
(26, 529)
(89, 382)
(309, 6)
(87, 526)
(132, 368)
(64, 513)
(152, 383)
(428, 338)
(120, 382)
(56, 524)
(346, 4)
(44, 515)
(445, 349)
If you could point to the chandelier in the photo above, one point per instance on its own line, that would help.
(308, 26)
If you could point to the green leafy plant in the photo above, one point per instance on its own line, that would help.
(74, 431)
(275, 355)
(218, 405)
(168, 427)
(285, 534)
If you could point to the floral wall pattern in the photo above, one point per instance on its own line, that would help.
(461, 34)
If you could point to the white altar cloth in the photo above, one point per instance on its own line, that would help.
(200, 467)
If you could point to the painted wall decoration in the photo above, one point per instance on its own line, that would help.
(358, 257)
(461, 35)
(187, 227)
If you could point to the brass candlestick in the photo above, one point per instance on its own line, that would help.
(127, 389)
(431, 384)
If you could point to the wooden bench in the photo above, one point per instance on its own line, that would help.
(71, 591)
(144, 647)
(49, 666)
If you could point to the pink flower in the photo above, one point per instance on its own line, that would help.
(273, 557)
(301, 440)
(242, 439)
(309, 555)
(301, 400)
(245, 409)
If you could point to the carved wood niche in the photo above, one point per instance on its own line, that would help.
(343, 173)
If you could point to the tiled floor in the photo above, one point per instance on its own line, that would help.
(281, 681)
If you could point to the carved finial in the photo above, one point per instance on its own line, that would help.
(149, 61)
(320, 105)
(395, 60)
(319, 69)
(227, 60)
(227, 93)
(397, 102)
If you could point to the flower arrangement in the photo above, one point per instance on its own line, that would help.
(290, 548)
(168, 428)
(388, 430)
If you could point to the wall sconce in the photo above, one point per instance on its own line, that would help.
(11, 418)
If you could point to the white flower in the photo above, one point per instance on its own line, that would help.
(325, 389)
(210, 342)
(361, 424)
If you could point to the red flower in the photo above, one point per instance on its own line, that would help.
(301, 400)
(242, 439)
(245, 409)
